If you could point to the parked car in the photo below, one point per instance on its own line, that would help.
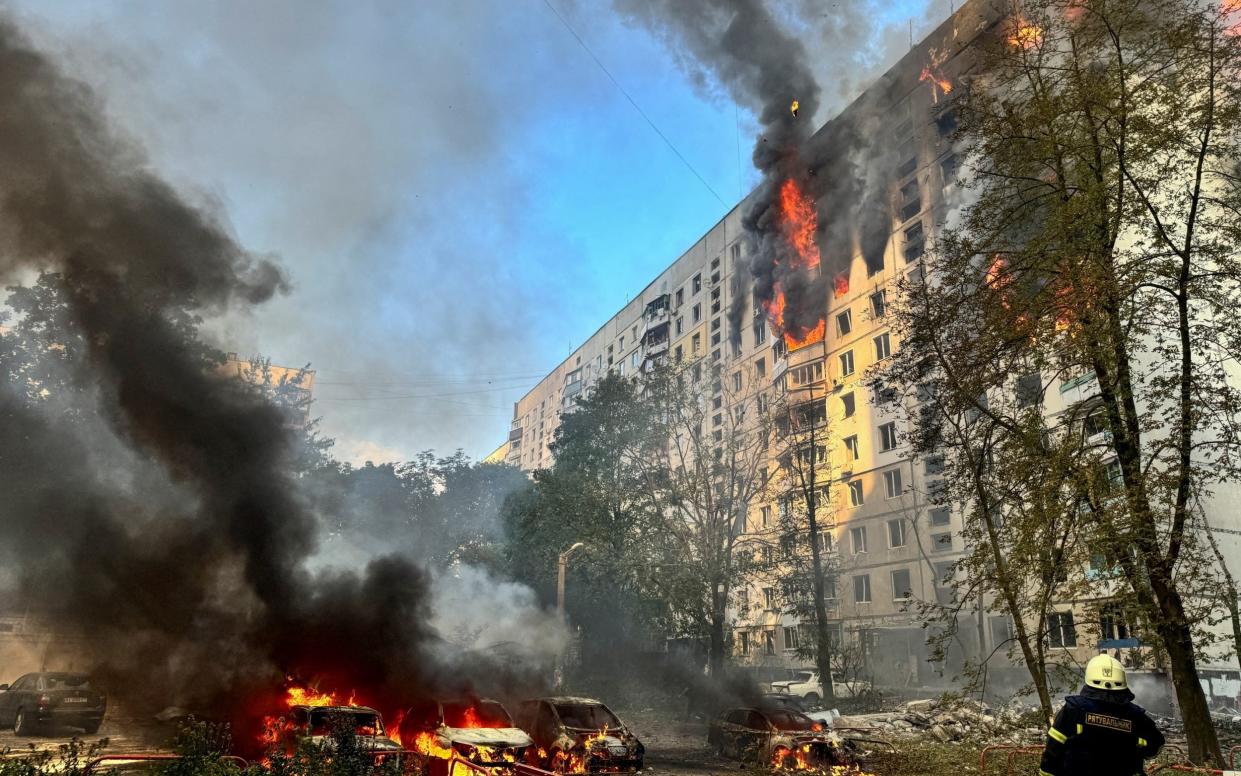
(475, 729)
(579, 734)
(806, 685)
(316, 723)
(776, 738)
(40, 701)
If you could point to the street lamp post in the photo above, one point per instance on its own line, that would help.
(562, 566)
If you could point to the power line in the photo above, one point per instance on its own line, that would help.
(641, 113)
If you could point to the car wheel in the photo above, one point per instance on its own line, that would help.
(22, 724)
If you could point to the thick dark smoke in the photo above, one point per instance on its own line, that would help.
(743, 47)
(185, 573)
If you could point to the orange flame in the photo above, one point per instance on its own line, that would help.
(933, 74)
(798, 221)
(1024, 35)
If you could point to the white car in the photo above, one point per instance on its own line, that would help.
(806, 685)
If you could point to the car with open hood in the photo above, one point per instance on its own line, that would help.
(776, 738)
(479, 730)
(577, 735)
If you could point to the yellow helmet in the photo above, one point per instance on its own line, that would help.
(1106, 673)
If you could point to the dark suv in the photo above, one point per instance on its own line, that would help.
(37, 701)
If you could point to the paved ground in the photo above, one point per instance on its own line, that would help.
(123, 735)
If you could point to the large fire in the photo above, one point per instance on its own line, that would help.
(278, 728)
(798, 222)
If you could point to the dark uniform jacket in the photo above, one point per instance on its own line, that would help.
(1100, 733)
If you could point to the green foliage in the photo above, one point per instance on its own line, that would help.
(68, 759)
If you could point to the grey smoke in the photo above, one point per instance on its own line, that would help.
(161, 516)
(755, 52)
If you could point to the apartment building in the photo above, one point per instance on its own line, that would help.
(887, 545)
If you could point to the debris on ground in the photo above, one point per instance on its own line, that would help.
(951, 721)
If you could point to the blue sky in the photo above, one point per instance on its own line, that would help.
(458, 191)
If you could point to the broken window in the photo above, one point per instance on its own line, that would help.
(848, 404)
(852, 449)
(760, 368)
(1113, 623)
(878, 304)
(1061, 632)
(1029, 390)
(680, 352)
(861, 588)
(857, 538)
(892, 483)
(696, 313)
(910, 210)
(680, 324)
(846, 363)
(696, 344)
(883, 346)
(697, 283)
(760, 332)
(907, 167)
(902, 589)
(791, 642)
(680, 297)
(946, 123)
(949, 167)
(887, 437)
(735, 249)
(941, 542)
(896, 533)
(844, 323)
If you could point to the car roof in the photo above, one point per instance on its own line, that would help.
(339, 709)
(571, 699)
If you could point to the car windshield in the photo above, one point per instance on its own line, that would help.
(484, 714)
(365, 723)
(66, 682)
(587, 716)
(792, 720)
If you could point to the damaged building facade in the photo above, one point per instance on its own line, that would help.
(888, 546)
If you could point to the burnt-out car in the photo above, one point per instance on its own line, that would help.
(475, 729)
(319, 723)
(40, 701)
(579, 735)
(777, 738)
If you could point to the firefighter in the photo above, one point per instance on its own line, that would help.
(1100, 732)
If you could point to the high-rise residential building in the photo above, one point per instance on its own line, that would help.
(887, 544)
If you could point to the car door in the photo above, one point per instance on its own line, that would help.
(731, 726)
(753, 736)
(10, 700)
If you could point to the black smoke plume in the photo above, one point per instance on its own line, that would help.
(741, 45)
(174, 541)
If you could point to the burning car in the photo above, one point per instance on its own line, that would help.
(318, 723)
(779, 737)
(478, 730)
(579, 735)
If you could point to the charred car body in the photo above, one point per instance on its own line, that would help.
(478, 730)
(319, 723)
(36, 702)
(776, 737)
(579, 735)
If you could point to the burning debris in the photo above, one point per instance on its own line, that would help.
(580, 735)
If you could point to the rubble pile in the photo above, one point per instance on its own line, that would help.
(955, 720)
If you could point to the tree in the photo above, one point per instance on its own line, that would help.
(806, 508)
(707, 468)
(1099, 245)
